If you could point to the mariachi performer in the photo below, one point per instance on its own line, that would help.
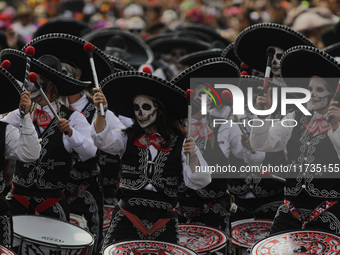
(153, 153)
(38, 187)
(218, 144)
(84, 192)
(18, 143)
(311, 197)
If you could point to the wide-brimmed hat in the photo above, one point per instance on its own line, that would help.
(11, 92)
(195, 57)
(209, 68)
(305, 62)
(164, 44)
(252, 43)
(121, 44)
(333, 50)
(66, 85)
(62, 24)
(70, 49)
(121, 88)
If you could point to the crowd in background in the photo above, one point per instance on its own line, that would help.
(150, 17)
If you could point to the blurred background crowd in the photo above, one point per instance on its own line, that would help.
(147, 18)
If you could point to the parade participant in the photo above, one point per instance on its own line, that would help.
(18, 143)
(84, 192)
(153, 153)
(311, 199)
(38, 187)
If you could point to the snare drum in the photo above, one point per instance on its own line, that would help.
(298, 242)
(245, 233)
(78, 220)
(147, 248)
(44, 235)
(202, 239)
(6, 251)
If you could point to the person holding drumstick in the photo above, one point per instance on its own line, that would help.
(18, 143)
(310, 197)
(38, 187)
(153, 153)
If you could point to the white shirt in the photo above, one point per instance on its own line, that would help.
(113, 140)
(22, 143)
(267, 138)
(80, 141)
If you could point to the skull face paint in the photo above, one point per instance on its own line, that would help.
(145, 110)
(201, 89)
(320, 95)
(275, 65)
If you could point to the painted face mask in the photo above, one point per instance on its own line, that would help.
(145, 111)
(33, 90)
(201, 89)
(320, 96)
(275, 66)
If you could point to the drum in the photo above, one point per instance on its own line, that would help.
(45, 235)
(6, 251)
(245, 233)
(144, 247)
(108, 209)
(299, 242)
(202, 239)
(78, 220)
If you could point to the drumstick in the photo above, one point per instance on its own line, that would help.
(89, 48)
(34, 78)
(227, 97)
(189, 94)
(269, 53)
(30, 51)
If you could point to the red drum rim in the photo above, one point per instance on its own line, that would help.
(5, 251)
(147, 247)
(108, 209)
(214, 238)
(239, 229)
(293, 242)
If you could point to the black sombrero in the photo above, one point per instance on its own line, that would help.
(121, 44)
(252, 43)
(209, 32)
(70, 49)
(121, 65)
(12, 91)
(229, 53)
(333, 50)
(62, 24)
(306, 61)
(209, 68)
(177, 40)
(195, 57)
(120, 96)
(66, 85)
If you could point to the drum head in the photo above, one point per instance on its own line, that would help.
(5, 251)
(245, 233)
(108, 209)
(147, 248)
(50, 231)
(298, 242)
(201, 238)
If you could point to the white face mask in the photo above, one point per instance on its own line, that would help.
(145, 111)
(320, 96)
(198, 95)
(33, 90)
(275, 65)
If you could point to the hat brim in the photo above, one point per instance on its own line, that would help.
(66, 85)
(252, 43)
(69, 48)
(209, 68)
(12, 91)
(138, 51)
(305, 62)
(121, 65)
(121, 88)
(165, 44)
(333, 50)
(195, 57)
(62, 24)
